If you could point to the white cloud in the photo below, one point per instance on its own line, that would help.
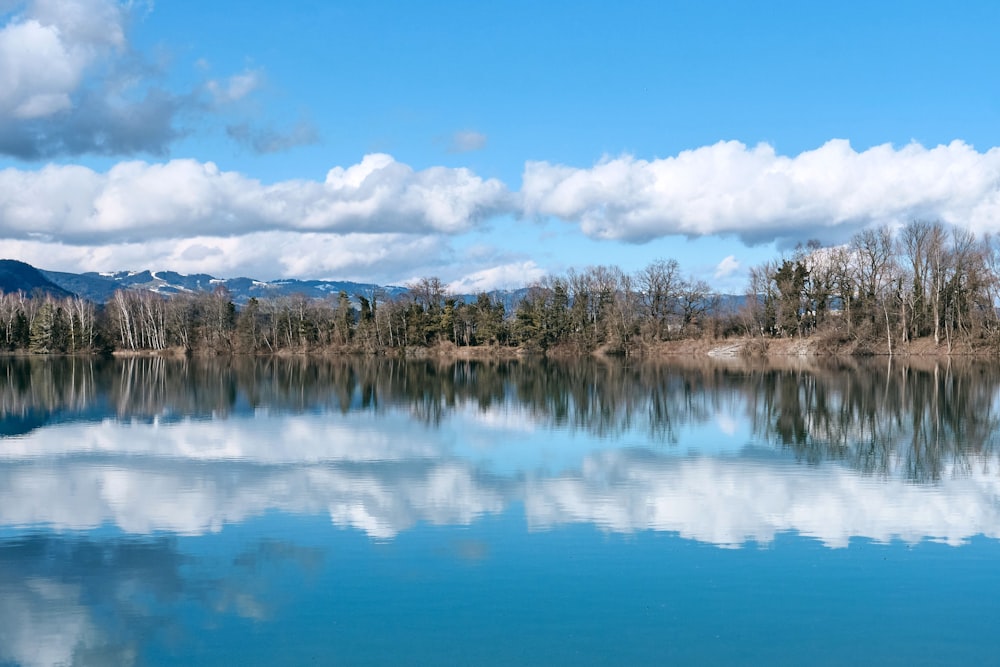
(517, 274)
(727, 267)
(465, 141)
(47, 48)
(385, 258)
(137, 201)
(388, 259)
(728, 188)
(71, 83)
(362, 216)
(234, 88)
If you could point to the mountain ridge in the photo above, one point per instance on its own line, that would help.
(100, 287)
(16, 276)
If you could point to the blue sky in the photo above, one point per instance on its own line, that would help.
(486, 144)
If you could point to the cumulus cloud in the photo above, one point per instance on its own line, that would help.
(71, 84)
(264, 255)
(727, 267)
(137, 201)
(47, 48)
(192, 213)
(466, 141)
(99, 124)
(385, 258)
(728, 188)
(516, 274)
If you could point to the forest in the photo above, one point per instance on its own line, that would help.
(877, 293)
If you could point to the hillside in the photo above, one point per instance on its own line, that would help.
(16, 276)
(99, 287)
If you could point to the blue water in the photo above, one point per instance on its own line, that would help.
(506, 533)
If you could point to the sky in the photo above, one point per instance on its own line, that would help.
(486, 144)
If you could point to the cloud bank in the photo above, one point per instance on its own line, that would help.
(139, 201)
(360, 257)
(193, 216)
(758, 195)
(72, 83)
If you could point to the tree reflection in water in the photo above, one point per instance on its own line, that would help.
(925, 417)
(918, 415)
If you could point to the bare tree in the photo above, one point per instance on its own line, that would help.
(875, 270)
(658, 286)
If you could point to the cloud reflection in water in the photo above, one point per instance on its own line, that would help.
(382, 447)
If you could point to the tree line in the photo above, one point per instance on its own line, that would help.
(583, 310)
(925, 281)
(879, 291)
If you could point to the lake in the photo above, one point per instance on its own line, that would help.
(384, 512)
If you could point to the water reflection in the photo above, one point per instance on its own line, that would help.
(601, 398)
(924, 418)
(729, 502)
(71, 600)
(720, 501)
(269, 511)
(720, 453)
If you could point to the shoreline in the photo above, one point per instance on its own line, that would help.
(745, 348)
(814, 348)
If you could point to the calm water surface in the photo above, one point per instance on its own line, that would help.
(270, 512)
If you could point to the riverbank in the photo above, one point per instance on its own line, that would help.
(812, 347)
(711, 348)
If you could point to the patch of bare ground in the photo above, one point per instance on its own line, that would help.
(817, 346)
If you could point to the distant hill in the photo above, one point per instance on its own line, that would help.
(100, 287)
(87, 285)
(18, 276)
